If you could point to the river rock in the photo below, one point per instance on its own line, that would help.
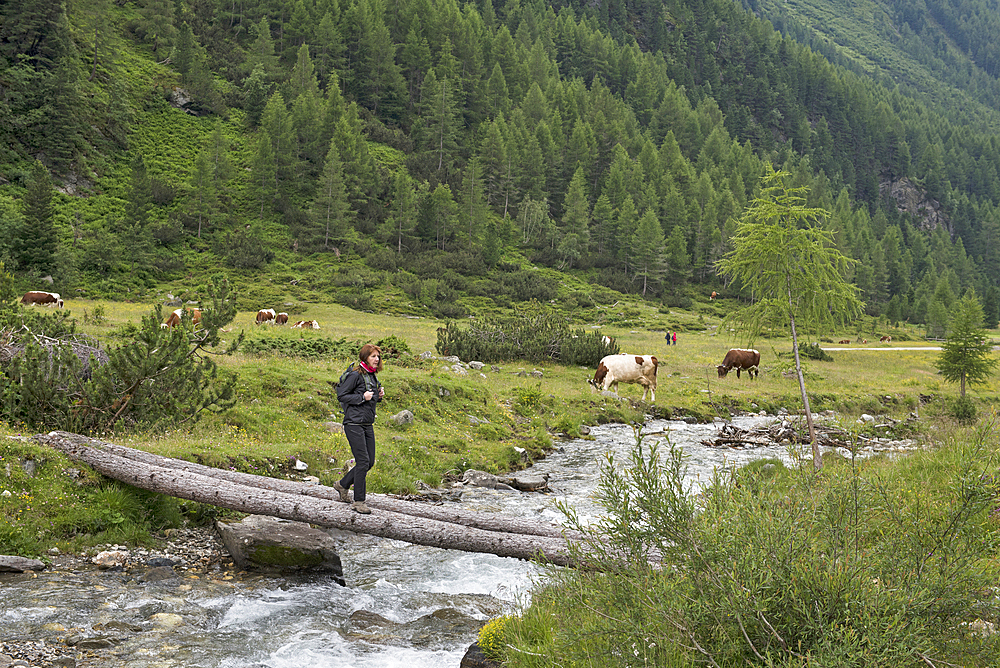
(110, 559)
(474, 658)
(483, 479)
(529, 483)
(268, 542)
(10, 564)
(166, 620)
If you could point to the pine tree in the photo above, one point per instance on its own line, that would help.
(966, 357)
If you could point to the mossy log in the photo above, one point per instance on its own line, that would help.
(315, 504)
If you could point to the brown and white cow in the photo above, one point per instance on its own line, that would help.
(265, 315)
(844, 341)
(885, 339)
(740, 359)
(281, 318)
(39, 298)
(614, 369)
(713, 295)
(306, 324)
(175, 317)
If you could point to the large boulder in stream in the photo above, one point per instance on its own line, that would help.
(13, 564)
(270, 543)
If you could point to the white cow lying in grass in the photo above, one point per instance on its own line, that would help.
(615, 369)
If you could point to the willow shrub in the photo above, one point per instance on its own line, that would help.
(869, 563)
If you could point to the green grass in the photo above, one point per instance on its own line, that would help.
(285, 403)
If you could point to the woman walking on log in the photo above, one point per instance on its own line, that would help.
(359, 392)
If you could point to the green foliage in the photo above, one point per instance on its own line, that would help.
(309, 347)
(492, 638)
(535, 338)
(864, 565)
(966, 356)
(964, 410)
(814, 352)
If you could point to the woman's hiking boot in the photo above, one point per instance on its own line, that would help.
(344, 497)
(360, 507)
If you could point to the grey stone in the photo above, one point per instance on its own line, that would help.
(459, 369)
(268, 542)
(64, 662)
(402, 417)
(334, 427)
(483, 479)
(476, 365)
(584, 430)
(529, 483)
(5, 660)
(11, 564)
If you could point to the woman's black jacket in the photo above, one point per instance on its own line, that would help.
(351, 393)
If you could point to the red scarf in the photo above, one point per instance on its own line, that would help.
(364, 365)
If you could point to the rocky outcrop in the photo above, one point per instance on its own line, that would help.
(914, 201)
(272, 543)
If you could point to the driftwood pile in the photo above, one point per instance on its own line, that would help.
(787, 431)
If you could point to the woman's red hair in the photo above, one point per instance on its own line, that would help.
(366, 352)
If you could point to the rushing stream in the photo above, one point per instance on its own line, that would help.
(404, 605)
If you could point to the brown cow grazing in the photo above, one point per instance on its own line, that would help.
(740, 359)
(844, 341)
(614, 369)
(265, 315)
(281, 318)
(885, 339)
(714, 295)
(39, 298)
(306, 324)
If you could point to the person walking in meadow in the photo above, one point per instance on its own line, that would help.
(359, 392)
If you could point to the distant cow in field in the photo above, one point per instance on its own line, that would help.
(607, 340)
(265, 315)
(39, 298)
(885, 339)
(860, 340)
(844, 341)
(281, 318)
(713, 295)
(740, 359)
(306, 324)
(614, 369)
(175, 317)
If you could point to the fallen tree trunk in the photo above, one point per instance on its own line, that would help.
(304, 508)
(485, 521)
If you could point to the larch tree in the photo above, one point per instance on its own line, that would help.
(789, 267)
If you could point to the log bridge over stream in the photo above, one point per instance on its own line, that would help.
(412, 522)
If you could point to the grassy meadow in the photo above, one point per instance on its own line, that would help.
(495, 420)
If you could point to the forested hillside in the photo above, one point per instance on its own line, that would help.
(426, 151)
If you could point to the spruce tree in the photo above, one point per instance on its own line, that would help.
(966, 357)
(34, 243)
